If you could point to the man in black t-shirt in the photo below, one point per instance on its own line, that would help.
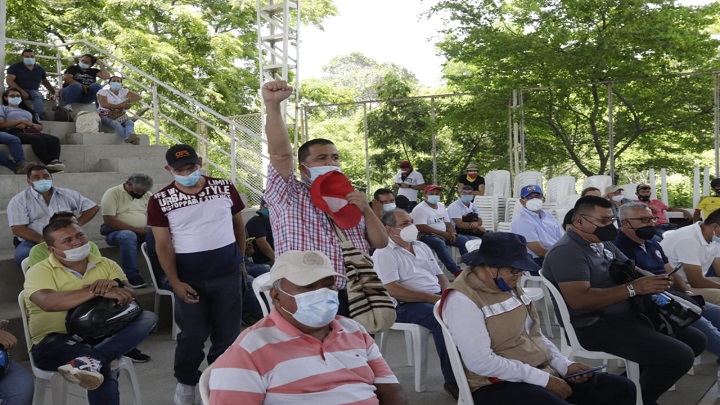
(80, 81)
(470, 177)
(259, 228)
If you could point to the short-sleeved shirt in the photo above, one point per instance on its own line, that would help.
(659, 210)
(687, 245)
(413, 178)
(259, 227)
(112, 98)
(417, 271)
(29, 207)
(86, 77)
(50, 274)
(648, 255)
(40, 252)
(474, 183)
(424, 214)
(458, 209)
(708, 204)
(27, 79)
(297, 224)
(8, 113)
(542, 228)
(573, 258)
(118, 203)
(273, 363)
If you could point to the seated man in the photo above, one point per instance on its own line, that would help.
(465, 216)
(708, 204)
(414, 280)
(614, 194)
(80, 81)
(603, 318)
(659, 209)
(258, 227)
(26, 76)
(383, 201)
(696, 247)
(41, 252)
(436, 230)
(124, 212)
(539, 227)
(636, 241)
(506, 357)
(68, 278)
(470, 177)
(16, 384)
(303, 351)
(30, 210)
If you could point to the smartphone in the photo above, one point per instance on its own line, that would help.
(192, 296)
(592, 370)
(678, 267)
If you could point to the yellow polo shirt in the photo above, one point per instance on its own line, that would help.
(50, 274)
(708, 205)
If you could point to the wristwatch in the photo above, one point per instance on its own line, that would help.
(631, 290)
(120, 283)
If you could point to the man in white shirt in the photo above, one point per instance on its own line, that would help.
(696, 247)
(465, 215)
(540, 228)
(436, 230)
(414, 280)
(407, 183)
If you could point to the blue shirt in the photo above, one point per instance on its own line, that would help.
(648, 256)
(542, 228)
(25, 78)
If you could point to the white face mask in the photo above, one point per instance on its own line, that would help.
(534, 205)
(389, 207)
(77, 254)
(409, 233)
(617, 198)
(318, 171)
(315, 308)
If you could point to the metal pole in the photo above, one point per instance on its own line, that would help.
(611, 135)
(716, 108)
(156, 115)
(367, 151)
(3, 21)
(233, 157)
(510, 139)
(522, 131)
(434, 139)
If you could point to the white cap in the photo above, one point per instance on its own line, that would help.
(302, 268)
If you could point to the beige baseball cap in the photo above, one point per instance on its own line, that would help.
(302, 268)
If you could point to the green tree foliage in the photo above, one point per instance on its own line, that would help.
(578, 48)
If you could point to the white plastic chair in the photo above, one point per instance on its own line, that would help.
(599, 181)
(261, 288)
(473, 244)
(559, 189)
(204, 385)
(25, 265)
(537, 294)
(629, 190)
(465, 395)
(571, 346)
(416, 347)
(55, 380)
(524, 179)
(159, 292)
(497, 182)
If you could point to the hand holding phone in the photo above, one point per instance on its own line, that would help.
(592, 370)
(678, 267)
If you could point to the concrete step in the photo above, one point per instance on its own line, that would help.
(132, 165)
(100, 138)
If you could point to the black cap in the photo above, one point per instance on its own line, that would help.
(501, 249)
(715, 183)
(180, 155)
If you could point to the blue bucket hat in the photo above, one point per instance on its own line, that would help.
(501, 249)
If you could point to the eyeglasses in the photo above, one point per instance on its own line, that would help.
(603, 221)
(645, 220)
(515, 271)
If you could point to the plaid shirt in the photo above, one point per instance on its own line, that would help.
(297, 224)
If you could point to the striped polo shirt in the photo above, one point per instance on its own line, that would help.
(275, 363)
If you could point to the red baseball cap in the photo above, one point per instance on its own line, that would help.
(328, 193)
(432, 187)
(405, 164)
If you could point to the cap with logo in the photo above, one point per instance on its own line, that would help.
(180, 155)
(529, 189)
(302, 268)
(328, 193)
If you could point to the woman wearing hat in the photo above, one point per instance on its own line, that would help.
(470, 177)
(497, 331)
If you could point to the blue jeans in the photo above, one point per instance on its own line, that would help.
(124, 129)
(421, 313)
(128, 242)
(709, 325)
(74, 93)
(439, 245)
(57, 349)
(23, 250)
(37, 100)
(13, 143)
(217, 315)
(16, 386)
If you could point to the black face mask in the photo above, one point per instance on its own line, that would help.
(645, 232)
(136, 195)
(645, 198)
(606, 233)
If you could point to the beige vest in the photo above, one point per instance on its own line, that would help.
(505, 320)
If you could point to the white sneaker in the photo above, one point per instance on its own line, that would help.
(84, 371)
(68, 107)
(184, 394)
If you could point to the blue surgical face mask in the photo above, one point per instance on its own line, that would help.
(42, 186)
(264, 212)
(466, 198)
(190, 180)
(315, 308)
(28, 61)
(15, 101)
(433, 199)
(83, 65)
(389, 207)
(317, 171)
(115, 85)
(716, 239)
